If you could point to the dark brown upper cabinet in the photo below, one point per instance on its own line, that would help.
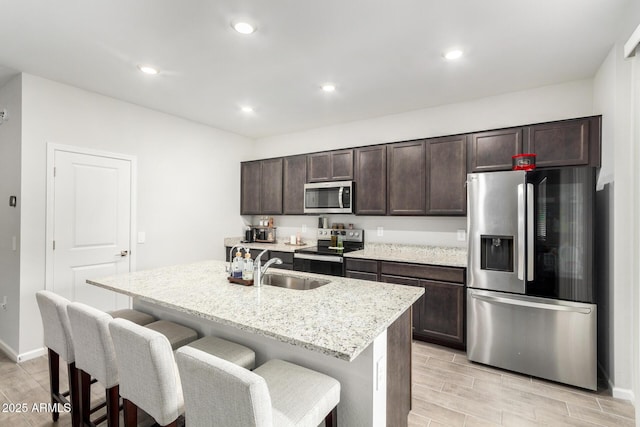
(371, 180)
(250, 178)
(406, 178)
(565, 143)
(446, 175)
(261, 187)
(330, 166)
(492, 150)
(295, 175)
(271, 200)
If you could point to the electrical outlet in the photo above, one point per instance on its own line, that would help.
(462, 235)
(380, 231)
(304, 228)
(4, 303)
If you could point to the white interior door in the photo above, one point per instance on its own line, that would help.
(91, 225)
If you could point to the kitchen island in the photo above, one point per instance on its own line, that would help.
(356, 331)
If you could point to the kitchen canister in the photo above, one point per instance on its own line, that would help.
(524, 162)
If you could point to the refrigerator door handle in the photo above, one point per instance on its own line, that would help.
(532, 304)
(521, 231)
(530, 235)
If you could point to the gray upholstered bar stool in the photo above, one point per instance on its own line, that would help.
(278, 393)
(149, 377)
(134, 316)
(95, 357)
(59, 341)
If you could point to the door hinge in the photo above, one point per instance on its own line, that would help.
(54, 171)
(54, 245)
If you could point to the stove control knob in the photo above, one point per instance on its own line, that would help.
(351, 234)
(357, 234)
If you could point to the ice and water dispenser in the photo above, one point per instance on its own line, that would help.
(496, 253)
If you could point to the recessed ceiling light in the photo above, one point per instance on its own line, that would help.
(328, 87)
(247, 109)
(453, 54)
(148, 70)
(243, 27)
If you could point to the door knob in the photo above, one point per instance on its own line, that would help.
(123, 253)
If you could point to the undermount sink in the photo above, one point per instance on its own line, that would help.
(292, 282)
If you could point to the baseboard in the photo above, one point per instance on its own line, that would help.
(8, 351)
(33, 354)
(622, 393)
(617, 392)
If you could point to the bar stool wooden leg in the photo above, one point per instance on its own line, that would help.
(331, 419)
(74, 395)
(54, 382)
(130, 413)
(113, 406)
(85, 397)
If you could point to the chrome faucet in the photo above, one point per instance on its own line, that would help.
(260, 269)
(231, 252)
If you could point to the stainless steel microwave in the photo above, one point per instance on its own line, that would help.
(328, 197)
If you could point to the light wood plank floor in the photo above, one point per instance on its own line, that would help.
(448, 390)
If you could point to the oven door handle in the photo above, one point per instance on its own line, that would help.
(313, 257)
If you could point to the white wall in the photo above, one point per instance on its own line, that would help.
(612, 98)
(635, 330)
(188, 180)
(10, 134)
(547, 103)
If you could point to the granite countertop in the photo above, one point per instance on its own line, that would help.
(434, 255)
(339, 319)
(280, 245)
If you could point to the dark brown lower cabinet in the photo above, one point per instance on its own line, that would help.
(286, 257)
(439, 316)
(443, 317)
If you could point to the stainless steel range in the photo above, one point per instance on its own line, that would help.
(327, 257)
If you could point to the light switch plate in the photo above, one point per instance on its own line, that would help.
(380, 231)
(142, 236)
(304, 228)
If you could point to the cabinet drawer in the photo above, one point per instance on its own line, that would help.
(362, 265)
(286, 257)
(447, 274)
(362, 276)
(399, 280)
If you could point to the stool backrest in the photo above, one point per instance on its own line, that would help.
(220, 393)
(147, 369)
(93, 344)
(55, 323)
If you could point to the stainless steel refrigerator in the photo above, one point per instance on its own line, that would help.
(530, 276)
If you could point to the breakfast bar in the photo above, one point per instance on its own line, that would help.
(356, 331)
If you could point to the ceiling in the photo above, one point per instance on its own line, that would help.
(384, 57)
